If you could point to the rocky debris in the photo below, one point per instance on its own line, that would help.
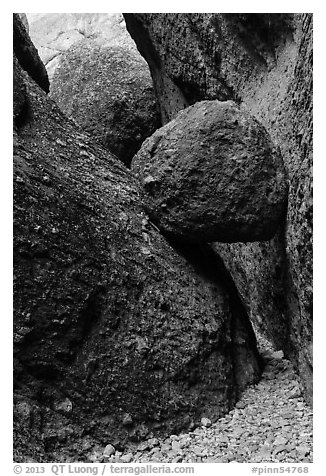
(267, 425)
(264, 62)
(109, 92)
(54, 33)
(127, 458)
(213, 174)
(109, 319)
(27, 54)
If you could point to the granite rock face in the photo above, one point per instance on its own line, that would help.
(211, 174)
(264, 63)
(109, 319)
(108, 91)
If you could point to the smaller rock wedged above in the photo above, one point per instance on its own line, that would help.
(213, 174)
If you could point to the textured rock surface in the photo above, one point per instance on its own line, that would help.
(109, 92)
(19, 93)
(271, 423)
(54, 33)
(110, 321)
(24, 20)
(27, 54)
(264, 62)
(213, 174)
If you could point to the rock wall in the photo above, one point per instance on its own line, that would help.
(115, 331)
(264, 63)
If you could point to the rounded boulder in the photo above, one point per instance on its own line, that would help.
(213, 174)
(108, 91)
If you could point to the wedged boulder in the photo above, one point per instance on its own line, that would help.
(108, 90)
(109, 319)
(263, 61)
(27, 54)
(213, 174)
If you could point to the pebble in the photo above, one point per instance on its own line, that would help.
(126, 458)
(165, 447)
(303, 450)
(143, 446)
(198, 450)
(155, 450)
(206, 422)
(280, 440)
(153, 442)
(109, 450)
(176, 447)
(127, 420)
(270, 423)
(295, 393)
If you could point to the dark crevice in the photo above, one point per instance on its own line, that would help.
(210, 266)
(143, 41)
(193, 86)
(89, 318)
(27, 55)
(260, 33)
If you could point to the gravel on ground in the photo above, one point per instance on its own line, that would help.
(270, 423)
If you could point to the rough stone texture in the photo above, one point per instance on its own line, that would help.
(109, 319)
(24, 21)
(264, 62)
(262, 287)
(109, 92)
(211, 174)
(54, 33)
(271, 423)
(27, 54)
(19, 92)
